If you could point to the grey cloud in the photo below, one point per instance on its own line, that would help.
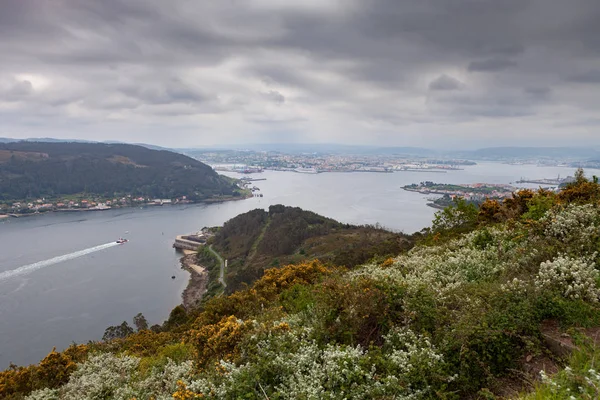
(18, 90)
(480, 103)
(491, 106)
(538, 92)
(491, 65)
(172, 91)
(274, 96)
(346, 68)
(276, 74)
(592, 76)
(283, 121)
(445, 82)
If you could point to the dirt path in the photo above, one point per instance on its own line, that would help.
(222, 268)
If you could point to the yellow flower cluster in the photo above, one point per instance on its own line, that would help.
(53, 371)
(275, 280)
(219, 340)
(183, 393)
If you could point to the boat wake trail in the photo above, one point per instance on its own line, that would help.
(26, 269)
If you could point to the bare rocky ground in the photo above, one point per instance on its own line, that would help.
(198, 280)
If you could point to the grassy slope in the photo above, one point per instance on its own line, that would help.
(259, 239)
(462, 315)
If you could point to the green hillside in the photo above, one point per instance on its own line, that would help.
(37, 169)
(500, 301)
(259, 239)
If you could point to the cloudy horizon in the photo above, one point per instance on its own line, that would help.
(434, 73)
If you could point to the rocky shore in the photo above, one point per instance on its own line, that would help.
(198, 282)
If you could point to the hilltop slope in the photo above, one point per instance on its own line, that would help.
(39, 169)
(259, 239)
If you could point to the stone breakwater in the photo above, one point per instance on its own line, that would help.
(188, 242)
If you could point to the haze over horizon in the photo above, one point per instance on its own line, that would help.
(457, 74)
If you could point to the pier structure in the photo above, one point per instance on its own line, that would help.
(189, 242)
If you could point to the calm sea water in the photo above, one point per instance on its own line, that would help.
(64, 280)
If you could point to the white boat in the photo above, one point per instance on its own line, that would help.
(121, 240)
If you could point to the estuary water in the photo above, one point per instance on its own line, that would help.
(63, 278)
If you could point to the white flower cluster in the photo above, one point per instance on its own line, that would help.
(99, 377)
(159, 385)
(317, 373)
(308, 371)
(439, 268)
(573, 224)
(44, 394)
(516, 286)
(106, 376)
(574, 278)
(412, 353)
(587, 382)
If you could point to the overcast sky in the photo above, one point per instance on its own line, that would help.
(431, 73)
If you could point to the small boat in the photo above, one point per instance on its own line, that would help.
(121, 241)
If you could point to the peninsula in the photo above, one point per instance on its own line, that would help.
(472, 193)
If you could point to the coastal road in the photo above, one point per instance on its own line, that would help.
(222, 271)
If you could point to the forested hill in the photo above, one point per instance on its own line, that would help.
(261, 239)
(40, 169)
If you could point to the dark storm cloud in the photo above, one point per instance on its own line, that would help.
(344, 68)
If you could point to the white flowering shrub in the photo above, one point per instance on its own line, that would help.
(292, 366)
(516, 287)
(413, 356)
(107, 376)
(574, 278)
(44, 394)
(568, 384)
(574, 225)
(99, 377)
(159, 385)
(440, 268)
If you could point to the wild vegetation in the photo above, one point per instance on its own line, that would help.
(31, 170)
(467, 313)
(259, 239)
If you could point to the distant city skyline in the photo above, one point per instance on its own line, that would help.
(583, 151)
(461, 74)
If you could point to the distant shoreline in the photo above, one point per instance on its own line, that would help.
(146, 205)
